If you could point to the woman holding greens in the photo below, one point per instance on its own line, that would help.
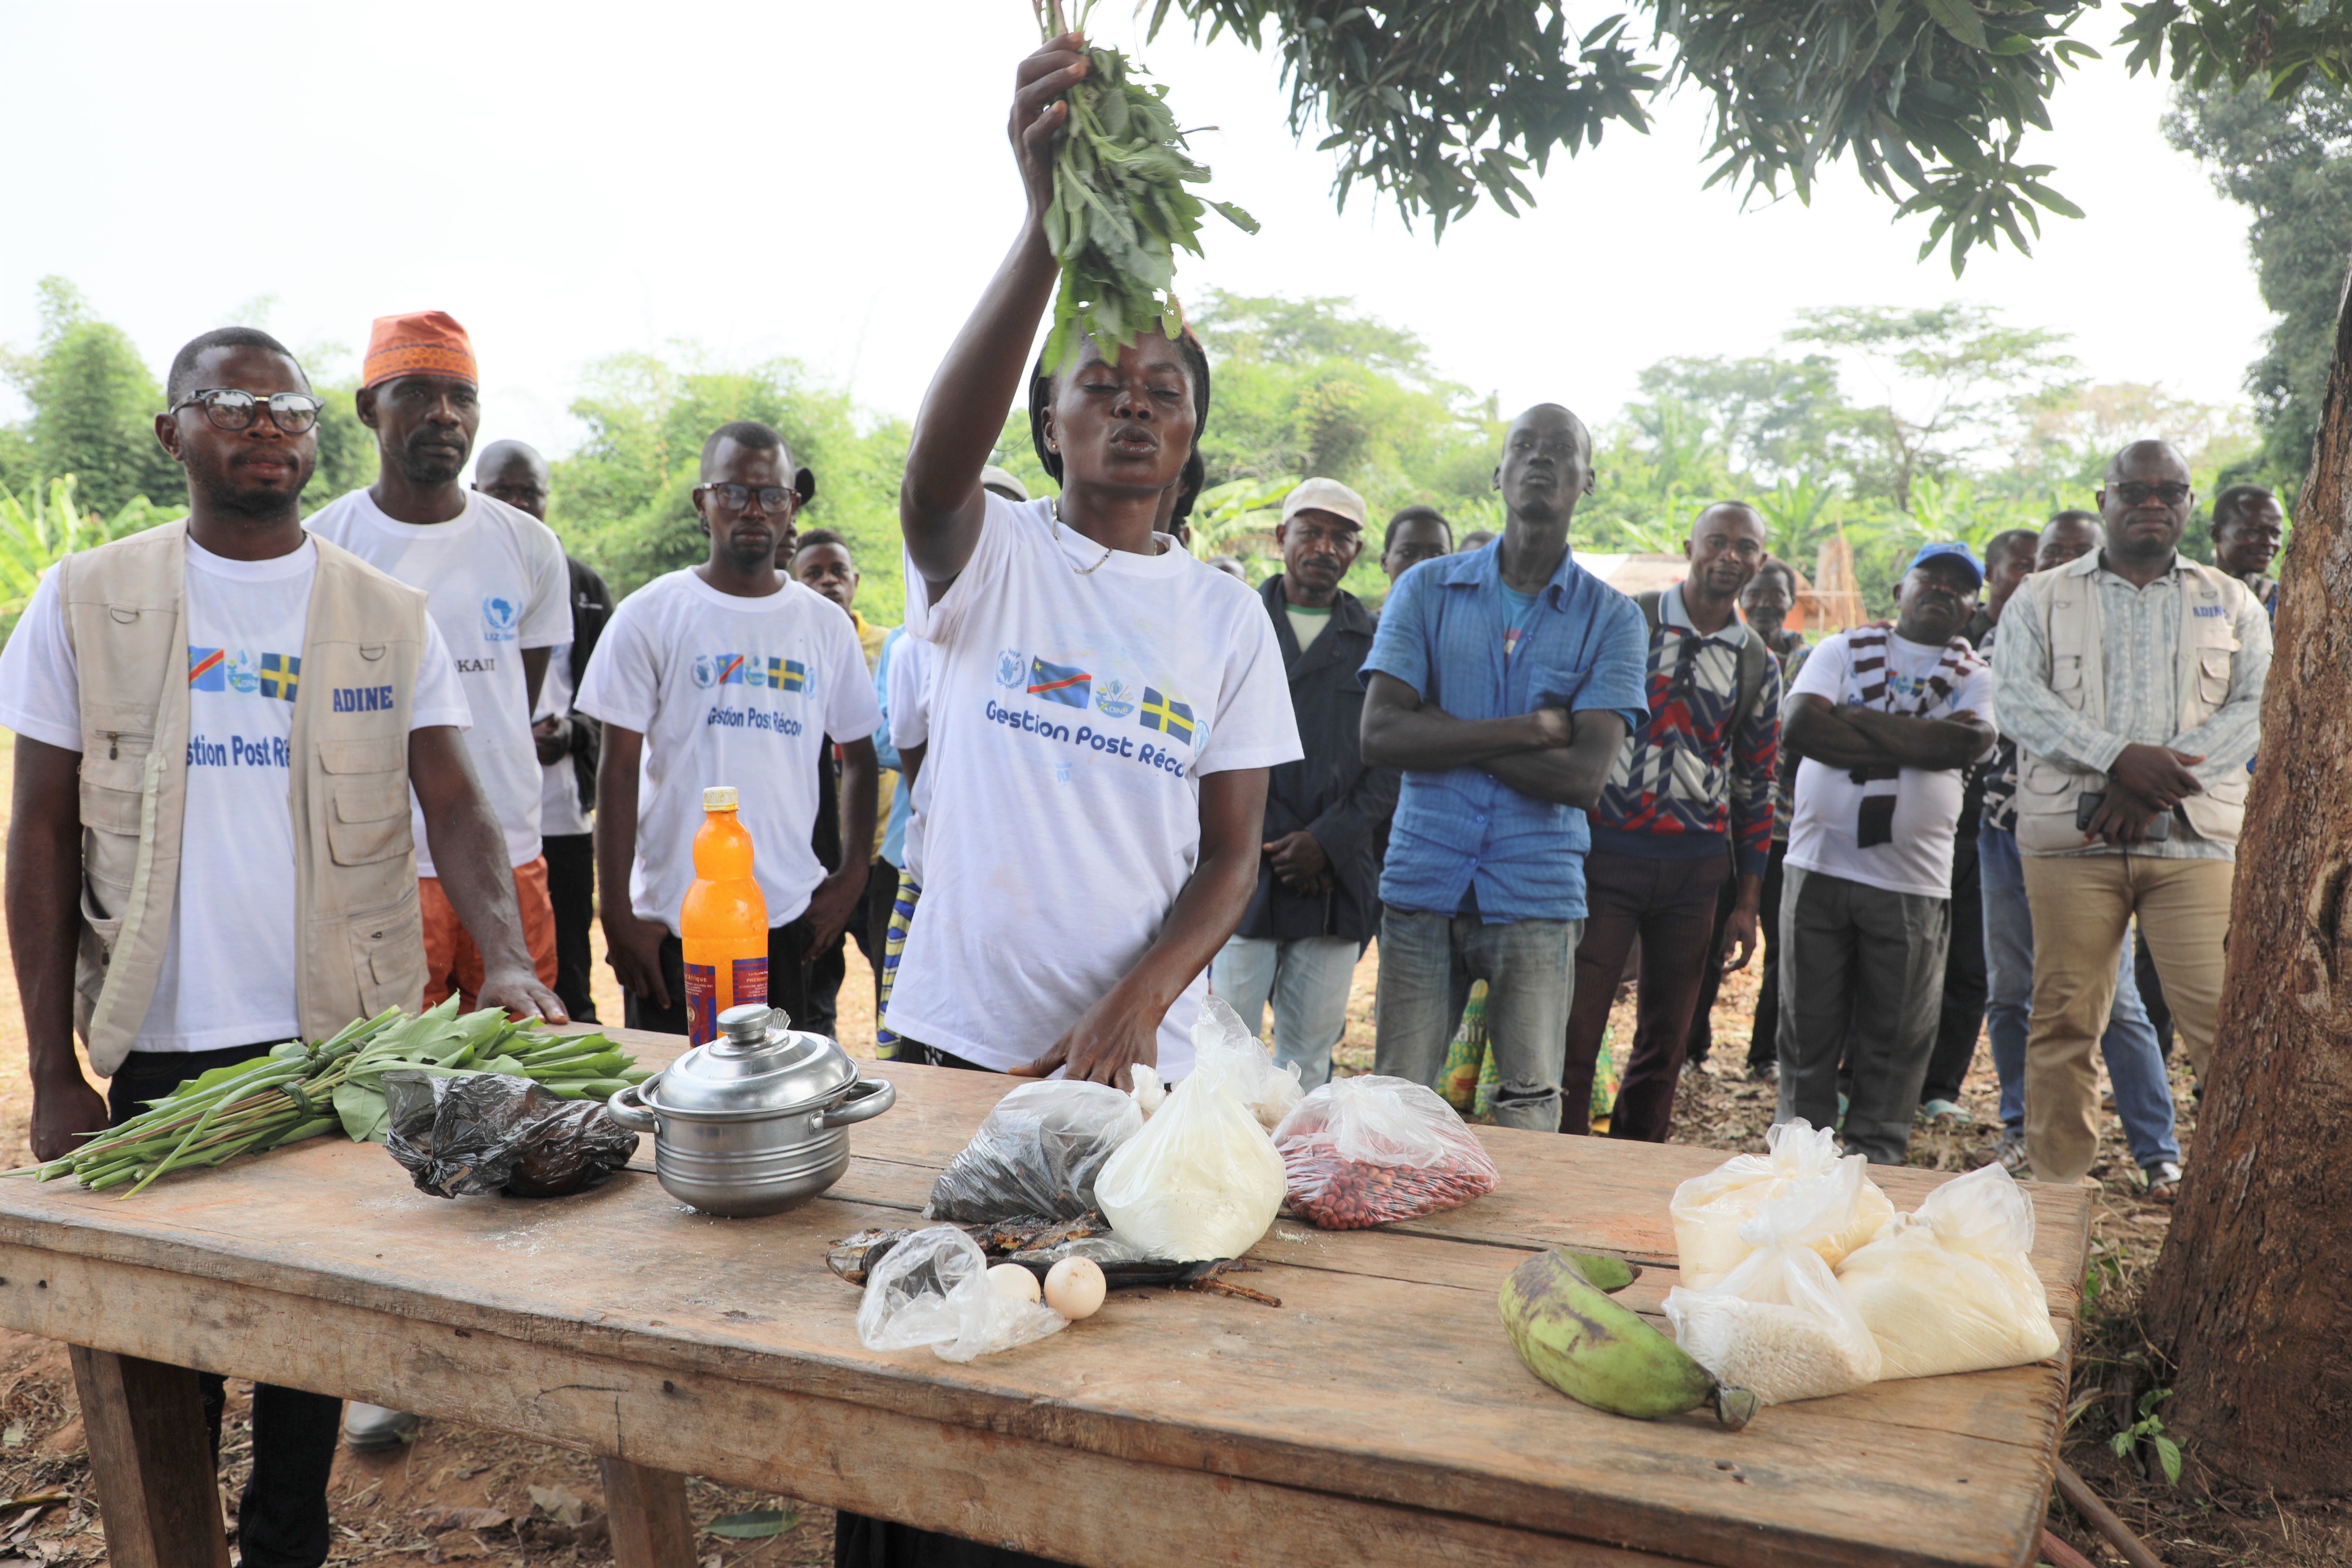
(1105, 708)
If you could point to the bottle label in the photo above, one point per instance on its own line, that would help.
(750, 982)
(702, 1003)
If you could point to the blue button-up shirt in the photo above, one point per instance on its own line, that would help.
(1585, 647)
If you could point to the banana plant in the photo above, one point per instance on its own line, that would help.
(1239, 512)
(38, 531)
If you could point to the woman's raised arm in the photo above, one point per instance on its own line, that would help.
(962, 417)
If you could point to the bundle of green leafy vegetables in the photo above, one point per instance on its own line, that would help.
(1120, 208)
(298, 1092)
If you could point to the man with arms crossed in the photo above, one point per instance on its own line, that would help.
(1887, 719)
(495, 579)
(1503, 682)
(2132, 679)
(272, 873)
(1688, 807)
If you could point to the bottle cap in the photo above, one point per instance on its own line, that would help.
(718, 797)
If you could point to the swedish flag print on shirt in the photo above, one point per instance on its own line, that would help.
(1169, 716)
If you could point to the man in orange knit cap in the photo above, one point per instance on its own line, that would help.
(497, 587)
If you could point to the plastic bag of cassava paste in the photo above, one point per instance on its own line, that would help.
(1201, 1180)
(1952, 1287)
(1366, 1151)
(1709, 1210)
(932, 1290)
(1037, 1153)
(1780, 1324)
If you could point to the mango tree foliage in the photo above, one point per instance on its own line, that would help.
(1436, 104)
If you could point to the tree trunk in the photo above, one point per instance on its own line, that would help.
(2252, 1295)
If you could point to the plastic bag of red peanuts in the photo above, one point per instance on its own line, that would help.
(1368, 1151)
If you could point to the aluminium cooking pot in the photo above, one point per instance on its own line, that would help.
(757, 1121)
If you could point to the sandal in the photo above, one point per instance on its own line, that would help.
(2163, 1183)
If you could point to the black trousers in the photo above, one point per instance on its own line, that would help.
(788, 982)
(860, 1541)
(871, 927)
(282, 1520)
(572, 889)
(1764, 1038)
(1966, 985)
(1710, 980)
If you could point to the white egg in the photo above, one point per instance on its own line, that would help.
(1012, 1282)
(1075, 1288)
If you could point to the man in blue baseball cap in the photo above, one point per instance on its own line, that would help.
(1887, 718)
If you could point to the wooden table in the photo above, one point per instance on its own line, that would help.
(1378, 1416)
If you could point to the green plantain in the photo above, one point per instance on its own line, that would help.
(1575, 1338)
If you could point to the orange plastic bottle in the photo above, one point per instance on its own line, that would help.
(723, 924)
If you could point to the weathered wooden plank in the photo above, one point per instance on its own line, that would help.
(157, 1496)
(1005, 1479)
(646, 1511)
(1298, 1396)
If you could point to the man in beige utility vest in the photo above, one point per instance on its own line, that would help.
(202, 863)
(2131, 680)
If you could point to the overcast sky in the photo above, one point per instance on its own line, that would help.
(831, 182)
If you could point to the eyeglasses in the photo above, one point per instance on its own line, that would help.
(231, 409)
(2132, 493)
(772, 497)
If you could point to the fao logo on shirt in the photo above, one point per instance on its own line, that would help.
(498, 618)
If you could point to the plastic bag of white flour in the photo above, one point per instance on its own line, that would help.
(1951, 1288)
(1202, 1179)
(1709, 1210)
(1779, 1324)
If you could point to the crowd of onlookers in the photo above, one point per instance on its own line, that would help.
(1599, 791)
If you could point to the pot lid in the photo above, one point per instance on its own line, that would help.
(759, 1062)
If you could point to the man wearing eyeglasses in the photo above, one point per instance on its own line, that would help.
(729, 673)
(200, 868)
(2132, 681)
(496, 582)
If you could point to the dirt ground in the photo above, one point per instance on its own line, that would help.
(460, 1495)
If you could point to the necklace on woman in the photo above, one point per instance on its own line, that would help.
(1081, 571)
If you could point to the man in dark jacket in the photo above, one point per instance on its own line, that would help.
(1318, 899)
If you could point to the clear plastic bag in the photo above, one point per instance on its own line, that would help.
(1951, 1288)
(1270, 1091)
(1037, 1153)
(932, 1290)
(1151, 1090)
(1366, 1151)
(475, 1132)
(1779, 1324)
(1709, 1210)
(1201, 1180)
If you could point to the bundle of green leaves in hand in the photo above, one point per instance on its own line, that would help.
(298, 1091)
(1120, 208)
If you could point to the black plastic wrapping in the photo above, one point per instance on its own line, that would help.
(489, 1132)
(1037, 1155)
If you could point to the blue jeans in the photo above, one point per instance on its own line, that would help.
(1307, 980)
(1426, 959)
(2135, 1060)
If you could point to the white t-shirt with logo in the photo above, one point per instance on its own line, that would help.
(1824, 836)
(1076, 699)
(497, 585)
(230, 966)
(910, 679)
(560, 811)
(728, 691)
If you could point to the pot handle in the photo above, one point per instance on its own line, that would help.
(628, 1107)
(868, 1098)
